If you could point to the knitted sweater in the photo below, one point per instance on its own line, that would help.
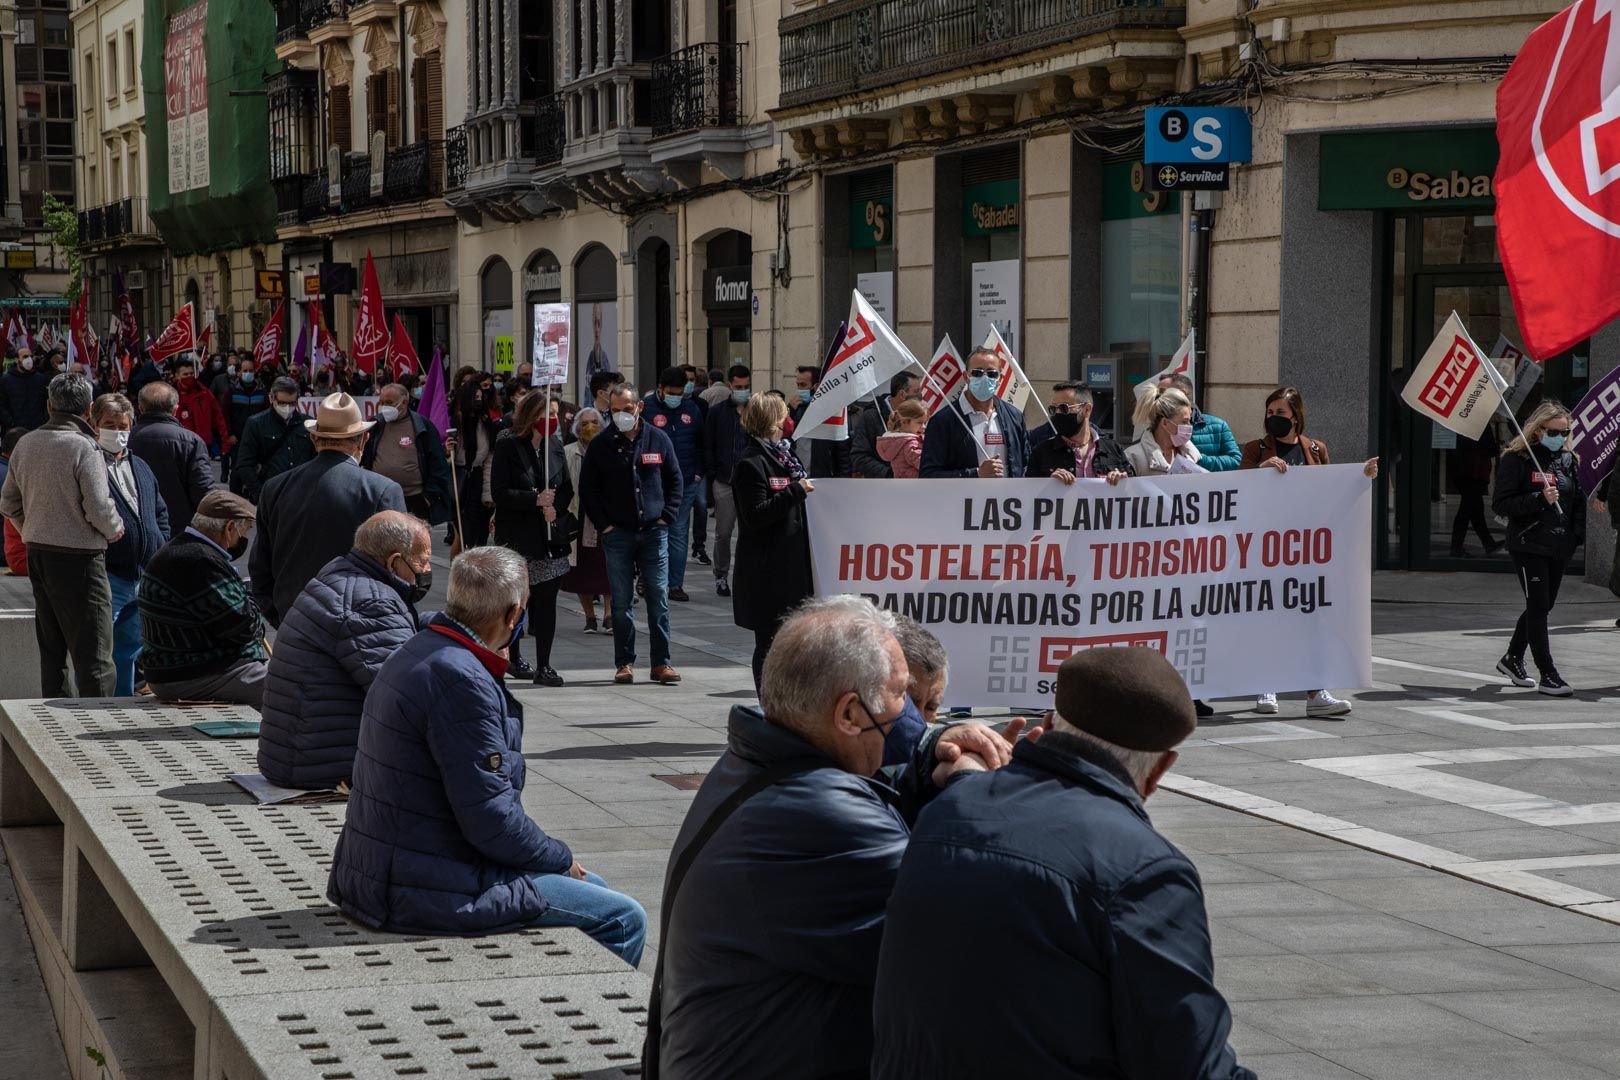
(56, 489)
(197, 616)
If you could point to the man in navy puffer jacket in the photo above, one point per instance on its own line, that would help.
(436, 840)
(351, 617)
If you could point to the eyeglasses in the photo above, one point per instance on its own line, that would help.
(984, 373)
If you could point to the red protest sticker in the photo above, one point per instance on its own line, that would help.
(659, 420)
(686, 418)
(652, 459)
(404, 440)
(994, 438)
(779, 483)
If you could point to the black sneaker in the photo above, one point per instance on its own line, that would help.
(1203, 708)
(722, 587)
(1513, 668)
(546, 676)
(520, 669)
(702, 556)
(1554, 686)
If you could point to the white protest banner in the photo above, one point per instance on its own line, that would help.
(868, 357)
(311, 405)
(550, 346)
(1014, 575)
(1184, 362)
(1454, 384)
(945, 377)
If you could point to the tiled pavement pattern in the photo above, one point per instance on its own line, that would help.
(1340, 961)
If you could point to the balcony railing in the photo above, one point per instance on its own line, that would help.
(455, 158)
(412, 172)
(356, 181)
(115, 221)
(290, 25)
(699, 86)
(313, 13)
(316, 191)
(541, 134)
(852, 45)
(92, 225)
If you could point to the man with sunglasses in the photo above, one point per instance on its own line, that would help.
(1077, 450)
(980, 435)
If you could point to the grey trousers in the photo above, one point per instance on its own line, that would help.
(242, 683)
(725, 524)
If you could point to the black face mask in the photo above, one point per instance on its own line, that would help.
(1066, 424)
(238, 549)
(1279, 427)
(418, 591)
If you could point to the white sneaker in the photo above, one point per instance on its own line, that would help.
(1266, 703)
(1323, 703)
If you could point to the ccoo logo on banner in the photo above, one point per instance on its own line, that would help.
(1595, 434)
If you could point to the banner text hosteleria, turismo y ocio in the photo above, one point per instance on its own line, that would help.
(1249, 583)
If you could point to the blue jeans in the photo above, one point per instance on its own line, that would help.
(679, 532)
(126, 633)
(612, 918)
(624, 551)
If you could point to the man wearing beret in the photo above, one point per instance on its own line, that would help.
(1100, 964)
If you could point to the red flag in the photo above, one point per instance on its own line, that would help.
(131, 331)
(1557, 195)
(370, 344)
(179, 336)
(203, 339)
(267, 350)
(401, 353)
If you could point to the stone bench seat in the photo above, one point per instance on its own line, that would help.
(155, 889)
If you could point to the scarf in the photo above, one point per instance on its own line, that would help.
(782, 450)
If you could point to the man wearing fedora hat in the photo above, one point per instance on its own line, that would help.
(308, 517)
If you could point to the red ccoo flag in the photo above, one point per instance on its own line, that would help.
(267, 350)
(178, 337)
(1557, 196)
(370, 344)
(401, 353)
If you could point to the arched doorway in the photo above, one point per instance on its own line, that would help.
(596, 316)
(495, 301)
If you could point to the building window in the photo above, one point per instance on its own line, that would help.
(134, 157)
(58, 64)
(87, 76)
(59, 103)
(115, 174)
(129, 60)
(112, 68)
(59, 138)
(1140, 264)
(56, 29)
(292, 124)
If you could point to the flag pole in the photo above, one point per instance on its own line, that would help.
(946, 403)
(1499, 381)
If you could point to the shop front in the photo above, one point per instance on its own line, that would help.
(728, 299)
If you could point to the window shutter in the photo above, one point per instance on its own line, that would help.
(391, 120)
(431, 94)
(338, 129)
(376, 104)
(419, 99)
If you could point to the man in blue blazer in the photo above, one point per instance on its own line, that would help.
(986, 437)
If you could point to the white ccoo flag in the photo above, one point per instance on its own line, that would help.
(1014, 386)
(1185, 362)
(868, 357)
(1455, 385)
(945, 377)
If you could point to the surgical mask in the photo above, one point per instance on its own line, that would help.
(1182, 436)
(27, 363)
(1555, 443)
(499, 385)
(1067, 425)
(1279, 426)
(388, 413)
(624, 421)
(806, 395)
(982, 388)
(114, 442)
(686, 390)
(674, 400)
(741, 396)
(416, 392)
(283, 411)
(517, 631)
(247, 378)
(231, 369)
(422, 586)
(220, 363)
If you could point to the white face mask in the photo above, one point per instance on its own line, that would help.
(284, 411)
(114, 442)
(388, 413)
(624, 421)
(27, 363)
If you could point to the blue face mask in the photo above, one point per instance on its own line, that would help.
(1555, 443)
(674, 400)
(806, 395)
(247, 378)
(687, 390)
(517, 631)
(741, 396)
(983, 388)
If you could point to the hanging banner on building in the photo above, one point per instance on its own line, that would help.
(994, 300)
(1595, 434)
(550, 349)
(185, 94)
(1015, 575)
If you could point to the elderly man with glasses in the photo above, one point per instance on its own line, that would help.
(980, 435)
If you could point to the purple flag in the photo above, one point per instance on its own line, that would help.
(435, 404)
(1596, 435)
(300, 354)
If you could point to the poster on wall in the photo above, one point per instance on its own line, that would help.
(993, 299)
(878, 289)
(185, 92)
(598, 341)
(497, 329)
(550, 348)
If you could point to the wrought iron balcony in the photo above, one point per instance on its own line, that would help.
(455, 158)
(316, 191)
(313, 13)
(92, 225)
(699, 86)
(408, 173)
(541, 133)
(289, 191)
(853, 45)
(124, 220)
(290, 25)
(356, 181)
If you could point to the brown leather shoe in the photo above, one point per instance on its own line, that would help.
(626, 674)
(665, 674)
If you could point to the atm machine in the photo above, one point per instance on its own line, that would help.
(1111, 377)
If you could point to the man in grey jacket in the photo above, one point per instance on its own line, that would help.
(56, 494)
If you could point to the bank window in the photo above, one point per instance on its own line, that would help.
(1140, 270)
(991, 248)
(871, 237)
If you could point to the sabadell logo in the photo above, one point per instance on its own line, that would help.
(995, 217)
(1426, 187)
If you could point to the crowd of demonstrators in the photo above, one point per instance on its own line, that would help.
(408, 449)
(308, 516)
(202, 635)
(672, 411)
(135, 492)
(478, 413)
(869, 426)
(587, 579)
(435, 838)
(1538, 491)
(979, 434)
(630, 488)
(1165, 416)
(1076, 449)
(1218, 449)
(351, 617)
(899, 449)
(530, 484)
(274, 440)
(723, 442)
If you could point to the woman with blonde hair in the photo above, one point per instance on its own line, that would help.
(1166, 416)
(1539, 493)
(772, 566)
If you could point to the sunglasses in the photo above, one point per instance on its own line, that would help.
(1066, 410)
(1555, 432)
(983, 373)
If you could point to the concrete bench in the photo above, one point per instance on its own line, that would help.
(19, 654)
(183, 930)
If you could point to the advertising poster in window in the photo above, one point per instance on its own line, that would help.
(995, 301)
(498, 339)
(551, 356)
(185, 92)
(878, 288)
(598, 341)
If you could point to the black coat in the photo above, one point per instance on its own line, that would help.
(269, 446)
(307, 518)
(1535, 526)
(22, 397)
(866, 429)
(949, 451)
(516, 478)
(630, 483)
(1053, 454)
(1101, 963)
(179, 460)
(771, 570)
(823, 459)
